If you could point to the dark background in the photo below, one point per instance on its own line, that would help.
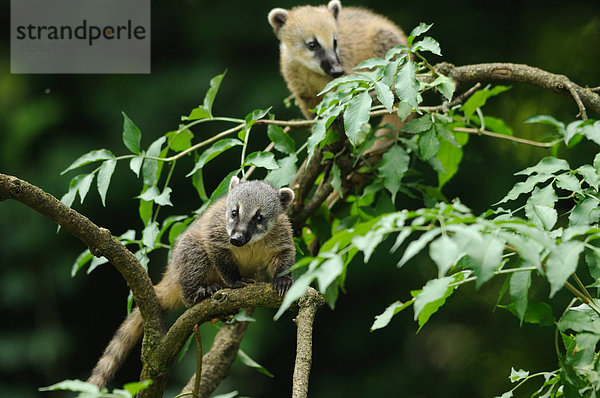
(54, 327)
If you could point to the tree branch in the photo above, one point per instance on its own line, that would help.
(507, 72)
(100, 242)
(217, 361)
(309, 304)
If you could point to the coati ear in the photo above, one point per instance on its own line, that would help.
(335, 7)
(233, 183)
(286, 196)
(277, 18)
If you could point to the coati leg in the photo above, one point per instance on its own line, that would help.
(283, 262)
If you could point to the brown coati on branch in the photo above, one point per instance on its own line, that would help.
(318, 44)
(243, 237)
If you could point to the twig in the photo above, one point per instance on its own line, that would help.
(571, 87)
(582, 286)
(506, 137)
(196, 391)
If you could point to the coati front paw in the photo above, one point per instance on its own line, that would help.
(283, 284)
(206, 291)
(243, 282)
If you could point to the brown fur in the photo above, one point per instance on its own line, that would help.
(204, 260)
(361, 35)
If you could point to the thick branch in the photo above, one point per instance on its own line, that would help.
(507, 72)
(100, 242)
(309, 304)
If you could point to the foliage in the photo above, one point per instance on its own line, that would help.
(88, 390)
(540, 232)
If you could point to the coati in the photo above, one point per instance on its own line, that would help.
(320, 43)
(243, 237)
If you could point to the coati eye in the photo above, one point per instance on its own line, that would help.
(259, 218)
(334, 43)
(312, 45)
(234, 213)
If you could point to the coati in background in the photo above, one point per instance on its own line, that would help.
(320, 43)
(243, 237)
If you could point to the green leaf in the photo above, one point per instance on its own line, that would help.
(135, 164)
(328, 271)
(517, 375)
(419, 30)
(407, 86)
(213, 151)
(427, 44)
(580, 319)
(561, 263)
(198, 182)
(104, 175)
(428, 144)
(246, 360)
(81, 261)
(384, 318)
(180, 140)
(73, 385)
(589, 175)
(343, 80)
(592, 132)
(548, 165)
(355, 116)
(149, 235)
(294, 293)
(283, 175)
(418, 125)
(384, 95)
(416, 246)
(536, 313)
(261, 159)
(392, 167)
(484, 251)
(445, 86)
(82, 182)
(135, 387)
(585, 213)
(132, 135)
(93, 156)
(546, 119)
(204, 111)
(568, 182)
(371, 63)
(520, 281)
(150, 169)
(251, 118)
(431, 298)
(540, 207)
(283, 142)
(525, 187)
(336, 180)
(160, 198)
(479, 98)
(450, 156)
(209, 98)
(445, 253)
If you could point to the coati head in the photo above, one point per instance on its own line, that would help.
(253, 208)
(309, 35)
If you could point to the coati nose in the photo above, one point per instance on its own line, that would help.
(237, 240)
(336, 71)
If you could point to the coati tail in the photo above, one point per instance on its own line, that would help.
(125, 338)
